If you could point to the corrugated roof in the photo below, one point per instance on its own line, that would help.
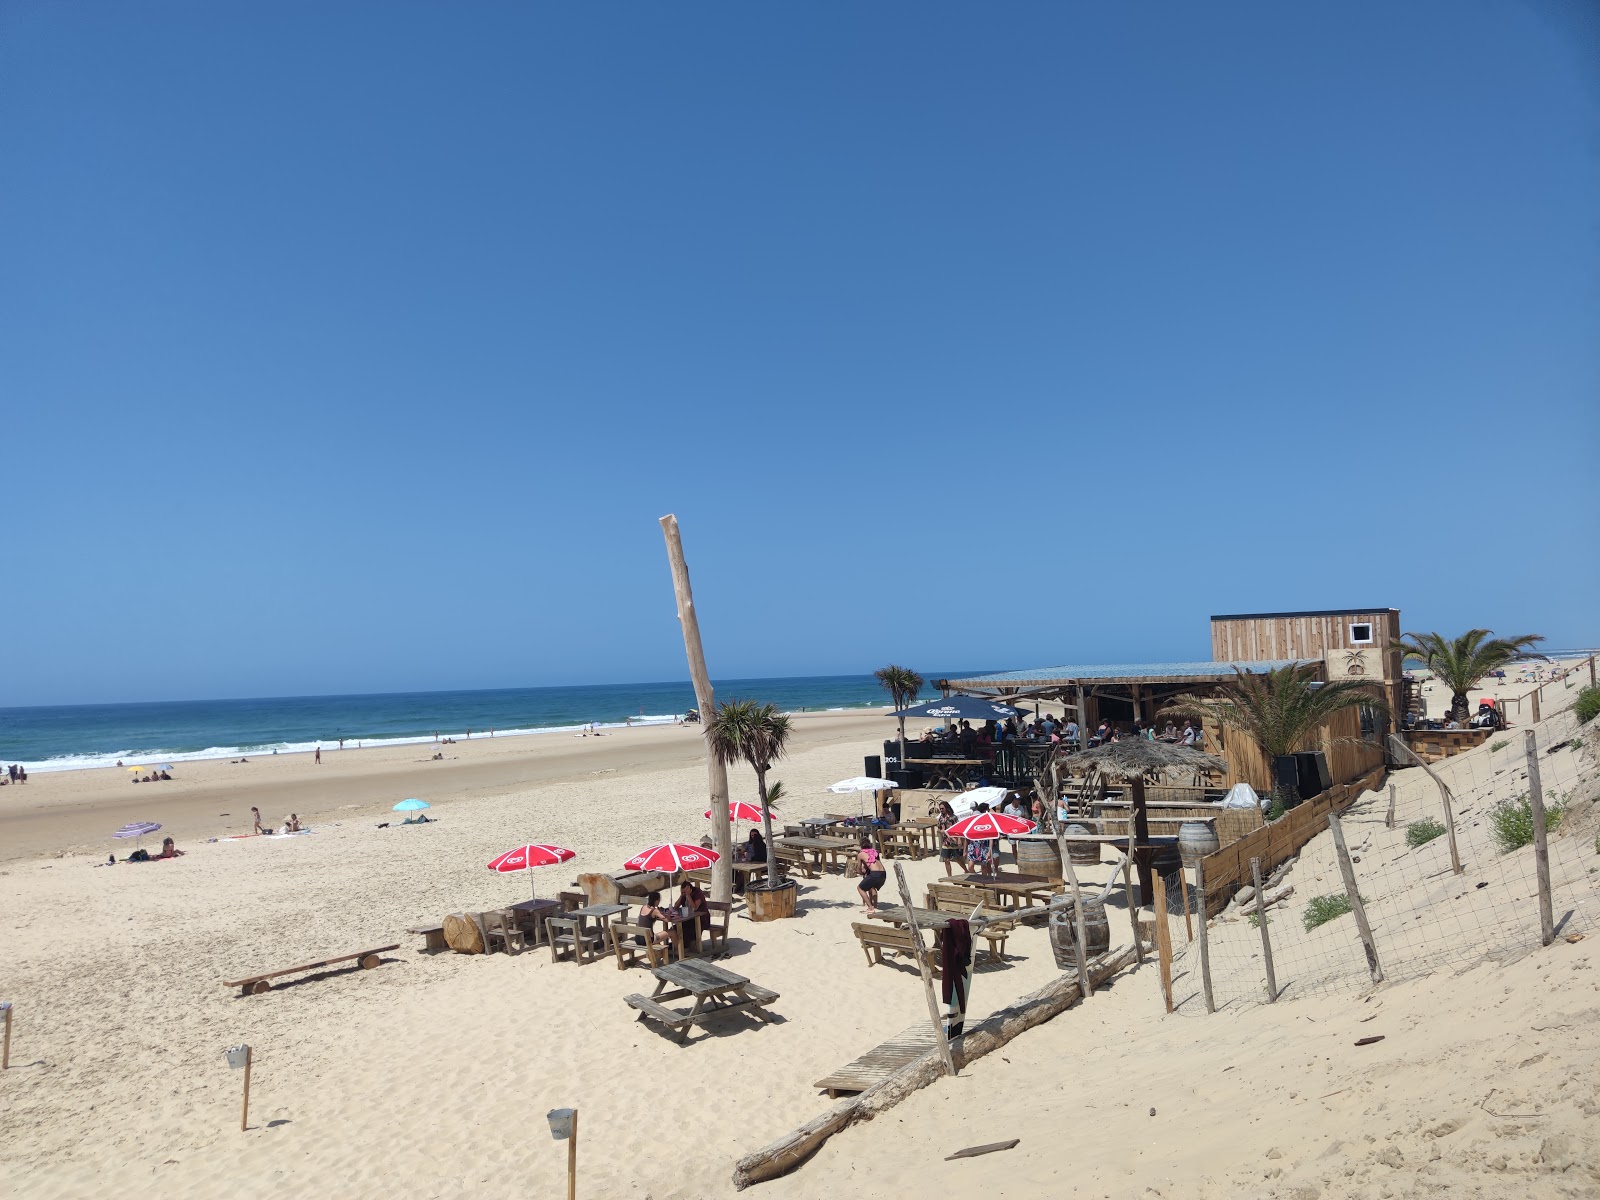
(1174, 672)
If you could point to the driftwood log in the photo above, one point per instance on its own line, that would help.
(989, 1034)
(461, 934)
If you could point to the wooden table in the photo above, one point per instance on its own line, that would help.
(715, 991)
(951, 772)
(896, 839)
(926, 828)
(1023, 891)
(829, 848)
(751, 871)
(599, 914)
(530, 915)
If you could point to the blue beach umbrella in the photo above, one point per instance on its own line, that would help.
(410, 805)
(136, 830)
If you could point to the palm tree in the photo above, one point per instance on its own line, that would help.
(744, 731)
(903, 685)
(1280, 710)
(1461, 663)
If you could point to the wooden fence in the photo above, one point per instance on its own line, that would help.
(1229, 868)
(1431, 745)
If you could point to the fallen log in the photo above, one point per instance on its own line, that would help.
(994, 1031)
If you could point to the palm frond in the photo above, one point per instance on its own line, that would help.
(1281, 710)
(902, 683)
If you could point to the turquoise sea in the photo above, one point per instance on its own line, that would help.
(63, 737)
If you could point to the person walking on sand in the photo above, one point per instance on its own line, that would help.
(255, 817)
(319, 754)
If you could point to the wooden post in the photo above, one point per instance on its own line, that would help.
(1534, 696)
(244, 1116)
(721, 831)
(1084, 982)
(1348, 871)
(922, 966)
(572, 1159)
(1591, 670)
(1183, 892)
(1388, 819)
(1133, 909)
(1405, 751)
(1541, 843)
(1266, 942)
(5, 1055)
(1163, 941)
(1205, 942)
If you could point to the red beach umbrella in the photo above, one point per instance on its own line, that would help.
(740, 810)
(671, 858)
(981, 827)
(525, 858)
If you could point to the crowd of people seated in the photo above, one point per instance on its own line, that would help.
(980, 742)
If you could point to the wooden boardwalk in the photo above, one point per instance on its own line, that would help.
(880, 1062)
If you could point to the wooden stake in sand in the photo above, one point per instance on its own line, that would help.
(1084, 982)
(1404, 751)
(1266, 942)
(721, 829)
(1133, 909)
(1348, 871)
(927, 975)
(1541, 842)
(1205, 942)
(5, 1055)
(1388, 819)
(1163, 939)
(239, 1057)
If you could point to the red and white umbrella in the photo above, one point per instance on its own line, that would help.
(982, 827)
(740, 810)
(525, 858)
(671, 858)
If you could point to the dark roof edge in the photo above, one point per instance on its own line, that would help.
(1315, 612)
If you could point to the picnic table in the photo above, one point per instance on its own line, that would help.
(1022, 891)
(751, 870)
(947, 772)
(530, 916)
(715, 989)
(820, 848)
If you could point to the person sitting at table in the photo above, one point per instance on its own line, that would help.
(873, 875)
(692, 907)
(949, 848)
(1102, 734)
(755, 851)
(1069, 732)
(649, 913)
(1170, 733)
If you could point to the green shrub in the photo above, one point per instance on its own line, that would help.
(1420, 833)
(1275, 809)
(1255, 920)
(1587, 705)
(1500, 745)
(1512, 821)
(1323, 909)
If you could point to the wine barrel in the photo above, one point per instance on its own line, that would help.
(1196, 839)
(1038, 854)
(1064, 931)
(1082, 854)
(461, 934)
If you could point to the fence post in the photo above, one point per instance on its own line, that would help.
(1163, 940)
(1266, 942)
(1133, 911)
(1388, 820)
(1085, 980)
(1444, 798)
(1541, 843)
(1348, 871)
(934, 1015)
(1205, 942)
(1591, 671)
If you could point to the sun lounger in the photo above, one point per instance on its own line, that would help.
(254, 985)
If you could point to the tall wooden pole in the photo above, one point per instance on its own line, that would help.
(927, 975)
(721, 831)
(1348, 872)
(1266, 941)
(1404, 751)
(244, 1116)
(572, 1159)
(1541, 844)
(1205, 942)
(5, 1056)
(1084, 982)
(1163, 940)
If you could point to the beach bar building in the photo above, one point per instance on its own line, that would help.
(1342, 643)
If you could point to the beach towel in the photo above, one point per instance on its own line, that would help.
(955, 963)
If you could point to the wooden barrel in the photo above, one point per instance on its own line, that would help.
(1196, 839)
(1064, 931)
(1083, 854)
(1038, 854)
(774, 905)
(461, 934)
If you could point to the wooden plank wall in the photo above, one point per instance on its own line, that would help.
(1348, 756)
(1229, 868)
(1258, 638)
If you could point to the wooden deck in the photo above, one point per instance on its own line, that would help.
(878, 1063)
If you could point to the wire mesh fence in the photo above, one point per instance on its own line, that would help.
(1423, 915)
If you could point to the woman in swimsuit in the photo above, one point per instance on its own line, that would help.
(873, 875)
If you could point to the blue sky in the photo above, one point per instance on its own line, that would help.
(359, 347)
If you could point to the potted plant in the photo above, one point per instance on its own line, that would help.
(744, 731)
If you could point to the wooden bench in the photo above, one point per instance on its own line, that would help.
(876, 939)
(793, 859)
(254, 985)
(954, 897)
(995, 930)
(432, 936)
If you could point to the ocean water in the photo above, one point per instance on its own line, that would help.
(65, 737)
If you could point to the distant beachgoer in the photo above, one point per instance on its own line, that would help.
(319, 754)
(341, 743)
(255, 817)
(469, 735)
(169, 849)
(294, 822)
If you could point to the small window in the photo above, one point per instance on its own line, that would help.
(1361, 634)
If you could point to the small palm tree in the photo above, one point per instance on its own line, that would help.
(1280, 710)
(1461, 663)
(903, 685)
(744, 731)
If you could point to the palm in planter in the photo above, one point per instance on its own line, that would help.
(1461, 663)
(1280, 710)
(903, 685)
(744, 731)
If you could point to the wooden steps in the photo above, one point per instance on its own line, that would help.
(878, 1063)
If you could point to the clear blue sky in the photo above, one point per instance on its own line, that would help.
(359, 347)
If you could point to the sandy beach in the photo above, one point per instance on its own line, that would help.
(430, 1075)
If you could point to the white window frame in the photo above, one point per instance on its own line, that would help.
(1369, 640)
